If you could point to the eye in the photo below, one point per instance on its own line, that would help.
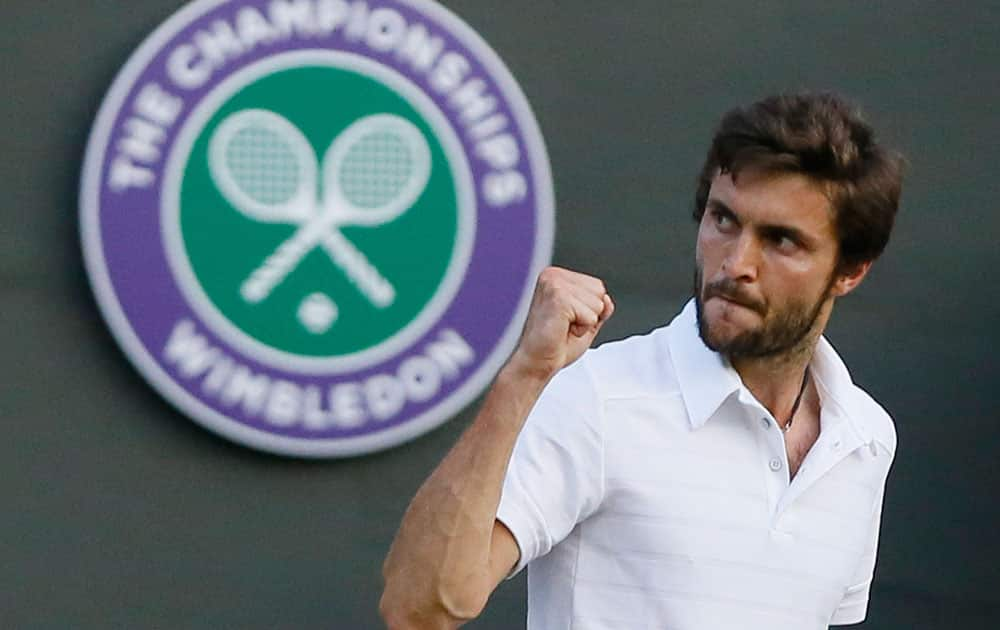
(785, 243)
(723, 220)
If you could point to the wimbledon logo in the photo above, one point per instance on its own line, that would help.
(314, 225)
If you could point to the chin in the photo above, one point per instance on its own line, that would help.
(722, 336)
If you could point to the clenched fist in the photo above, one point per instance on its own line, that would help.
(567, 311)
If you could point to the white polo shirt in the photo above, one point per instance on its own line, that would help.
(650, 489)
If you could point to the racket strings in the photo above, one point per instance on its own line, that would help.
(375, 170)
(263, 165)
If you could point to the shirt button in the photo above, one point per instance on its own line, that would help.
(836, 445)
(775, 464)
(765, 424)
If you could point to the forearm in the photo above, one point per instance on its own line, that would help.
(437, 569)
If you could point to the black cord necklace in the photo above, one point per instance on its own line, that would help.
(798, 399)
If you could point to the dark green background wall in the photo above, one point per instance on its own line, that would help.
(119, 512)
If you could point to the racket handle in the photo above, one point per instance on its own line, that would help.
(362, 274)
(275, 267)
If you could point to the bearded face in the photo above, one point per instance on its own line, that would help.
(765, 264)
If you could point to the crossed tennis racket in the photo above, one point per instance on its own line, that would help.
(374, 171)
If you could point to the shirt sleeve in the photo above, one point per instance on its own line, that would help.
(853, 607)
(555, 478)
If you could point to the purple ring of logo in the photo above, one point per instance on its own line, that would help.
(142, 302)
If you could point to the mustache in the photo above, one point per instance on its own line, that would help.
(733, 291)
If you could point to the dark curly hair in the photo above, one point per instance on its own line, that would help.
(823, 137)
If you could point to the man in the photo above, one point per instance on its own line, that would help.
(722, 472)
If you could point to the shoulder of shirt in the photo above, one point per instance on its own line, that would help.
(874, 416)
(637, 366)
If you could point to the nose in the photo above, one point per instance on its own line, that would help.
(742, 259)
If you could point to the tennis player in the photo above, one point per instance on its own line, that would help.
(722, 472)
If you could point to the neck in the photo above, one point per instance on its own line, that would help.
(776, 380)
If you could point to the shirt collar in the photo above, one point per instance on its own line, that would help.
(838, 393)
(706, 378)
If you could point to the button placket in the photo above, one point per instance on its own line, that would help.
(771, 445)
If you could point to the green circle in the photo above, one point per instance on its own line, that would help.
(224, 246)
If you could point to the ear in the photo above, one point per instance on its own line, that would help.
(848, 279)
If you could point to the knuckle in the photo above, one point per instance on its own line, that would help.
(544, 279)
(557, 281)
(550, 273)
(592, 284)
(549, 281)
(595, 284)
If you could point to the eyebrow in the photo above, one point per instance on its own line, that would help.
(769, 229)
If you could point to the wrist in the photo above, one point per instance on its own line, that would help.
(527, 371)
